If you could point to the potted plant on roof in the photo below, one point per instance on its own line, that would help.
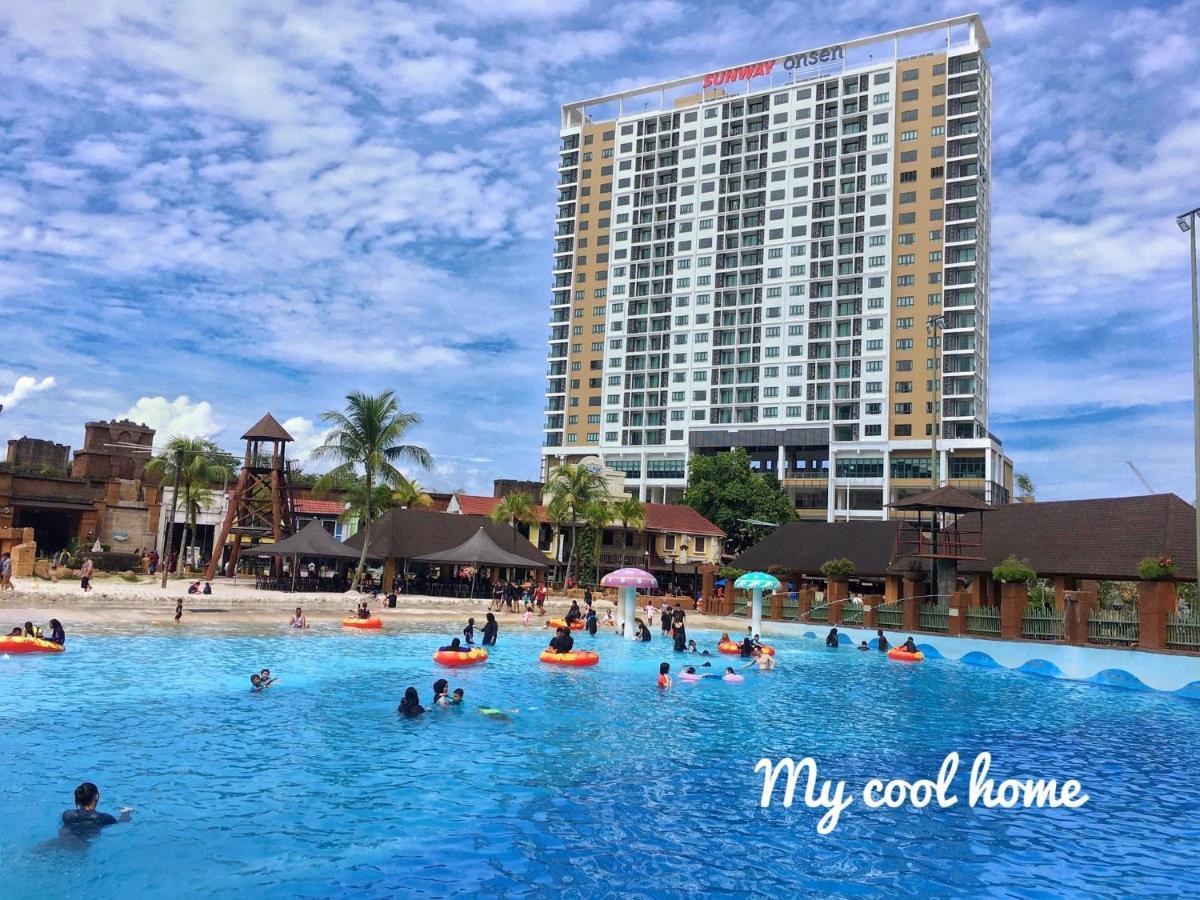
(1014, 576)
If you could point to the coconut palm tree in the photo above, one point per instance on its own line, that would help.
(410, 494)
(596, 514)
(367, 444)
(557, 515)
(573, 486)
(516, 508)
(198, 464)
(629, 511)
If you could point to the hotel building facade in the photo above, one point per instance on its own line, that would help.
(788, 256)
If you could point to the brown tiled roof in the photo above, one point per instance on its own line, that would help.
(320, 507)
(948, 498)
(408, 533)
(1102, 539)
(660, 517)
(266, 429)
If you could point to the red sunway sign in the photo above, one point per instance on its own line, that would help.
(740, 73)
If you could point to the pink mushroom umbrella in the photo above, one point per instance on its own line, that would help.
(629, 580)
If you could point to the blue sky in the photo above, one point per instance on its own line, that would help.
(211, 210)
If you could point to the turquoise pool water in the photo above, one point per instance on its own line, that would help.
(600, 784)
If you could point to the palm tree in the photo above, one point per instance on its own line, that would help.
(573, 486)
(596, 514)
(516, 508)
(629, 511)
(200, 464)
(557, 515)
(369, 436)
(410, 493)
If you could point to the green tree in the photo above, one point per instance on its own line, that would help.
(408, 493)
(201, 464)
(574, 486)
(596, 514)
(367, 443)
(629, 511)
(1025, 485)
(516, 508)
(726, 491)
(557, 515)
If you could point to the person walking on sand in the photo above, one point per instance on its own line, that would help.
(6, 573)
(85, 574)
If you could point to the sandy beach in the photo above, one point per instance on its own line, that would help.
(116, 605)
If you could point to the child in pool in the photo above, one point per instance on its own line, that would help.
(441, 692)
(456, 698)
(664, 676)
(256, 682)
(863, 646)
(909, 646)
(527, 616)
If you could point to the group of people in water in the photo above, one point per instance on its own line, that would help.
(881, 642)
(261, 680)
(56, 636)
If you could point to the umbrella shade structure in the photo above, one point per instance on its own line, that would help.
(480, 550)
(634, 578)
(760, 580)
(311, 540)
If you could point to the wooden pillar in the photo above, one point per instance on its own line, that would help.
(870, 605)
(958, 603)
(1080, 605)
(978, 589)
(891, 588)
(707, 571)
(389, 574)
(1156, 601)
(777, 605)
(805, 599)
(1062, 584)
(912, 606)
(836, 592)
(1014, 597)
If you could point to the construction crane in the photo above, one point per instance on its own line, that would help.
(1140, 477)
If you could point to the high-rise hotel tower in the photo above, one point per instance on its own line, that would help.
(789, 256)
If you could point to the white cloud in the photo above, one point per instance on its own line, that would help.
(169, 418)
(25, 386)
(307, 435)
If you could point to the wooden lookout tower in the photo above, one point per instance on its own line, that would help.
(942, 526)
(261, 505)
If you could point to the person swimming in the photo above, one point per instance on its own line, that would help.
(441, 692)
(692, 647)
(57, 635)
(746, 648)
(410, 705)
(643, 633)
(562, 642)
(490, 629)
(493, 713)
(831, 639)
(864, 646)
(256, 684)
(664, 675)
(455, 646)
(591, 624)
(84, 820)
(456, 698)
(32, 631)
(267, 680)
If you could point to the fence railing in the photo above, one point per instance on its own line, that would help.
(1183, 631)
(890, 615)
(819, 613)
(934, 617)
(741, 604)
(852, 613)
(1042, 624)
(983, 620)
(1114, 626)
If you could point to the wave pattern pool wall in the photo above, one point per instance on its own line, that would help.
(1131, 669)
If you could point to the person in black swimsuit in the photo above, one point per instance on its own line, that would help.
(57, 635)
(666, 619)
(591, 624)
(84, 820)
(411, 704)
(490, 629)
(455, 646)
(562, 642)
(883, 641)
(831, 639)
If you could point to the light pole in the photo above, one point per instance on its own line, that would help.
(933, 327)
(1187, 223)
